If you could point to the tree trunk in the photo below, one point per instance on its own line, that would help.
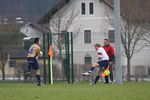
(2, 63)
(128, 68)
(3, 73)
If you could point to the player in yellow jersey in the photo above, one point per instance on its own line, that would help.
(33, 53)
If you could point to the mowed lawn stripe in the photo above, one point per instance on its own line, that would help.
(77, 91)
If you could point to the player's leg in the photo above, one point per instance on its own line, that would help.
(106, 79)
(29, 68)
(30, 63)
(93, 67)
(37, 72)
(97, 77)
(90, 69)
(103, 65)
(111, 73)
(38, 76)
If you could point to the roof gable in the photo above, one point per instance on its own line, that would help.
(45, 19)
(127, 7)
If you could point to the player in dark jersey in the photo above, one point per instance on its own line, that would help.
(33, 53)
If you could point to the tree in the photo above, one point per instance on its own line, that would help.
(146, 38)
(62, 22)
(133, 28)
(8, 35)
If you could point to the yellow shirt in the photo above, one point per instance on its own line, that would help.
(34, 51)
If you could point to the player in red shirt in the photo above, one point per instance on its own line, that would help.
(111, 53)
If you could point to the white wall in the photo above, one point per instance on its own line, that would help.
(142, 57)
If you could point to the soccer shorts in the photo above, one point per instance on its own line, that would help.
(33, 62)
(103, 64)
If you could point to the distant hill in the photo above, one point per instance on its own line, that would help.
(29, 10)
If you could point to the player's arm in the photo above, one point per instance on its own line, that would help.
(38, 52)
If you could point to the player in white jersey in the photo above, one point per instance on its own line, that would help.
(103, 61)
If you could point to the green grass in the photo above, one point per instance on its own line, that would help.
(78, 91)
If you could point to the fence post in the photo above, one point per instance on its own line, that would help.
(72, 69)
(67, 56)
(48, 39)
(44, 58)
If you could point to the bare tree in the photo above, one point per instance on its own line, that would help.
(146, 38)
(3, 62)
(8, 33)
(60, 23)
(133, 28)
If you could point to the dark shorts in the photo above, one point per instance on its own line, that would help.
(33, 62)
(103, 64)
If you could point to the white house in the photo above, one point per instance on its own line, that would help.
(30, 30)
(90, 20)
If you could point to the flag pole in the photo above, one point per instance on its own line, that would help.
(51, 69)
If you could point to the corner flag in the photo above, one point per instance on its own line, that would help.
(50, 52)
(106, 72)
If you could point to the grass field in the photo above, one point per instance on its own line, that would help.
(77, 91)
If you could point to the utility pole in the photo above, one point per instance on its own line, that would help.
(118, 64)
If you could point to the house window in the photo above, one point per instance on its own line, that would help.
(91, 8)
(88, 60)
(83, 8)
(111, 36)
(87, 36)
